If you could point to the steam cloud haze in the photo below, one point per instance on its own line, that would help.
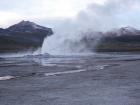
(97, 17)
(72, 20)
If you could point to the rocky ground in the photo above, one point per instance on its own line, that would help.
(71, 81)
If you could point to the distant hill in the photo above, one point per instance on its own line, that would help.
(117, 40)
(23, 36)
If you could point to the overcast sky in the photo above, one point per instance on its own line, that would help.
(126, 12)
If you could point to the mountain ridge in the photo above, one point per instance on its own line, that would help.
(117, 40)
(27, 35)
(24, 35)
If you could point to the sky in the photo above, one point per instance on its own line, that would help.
(99, 14)
(16, 10)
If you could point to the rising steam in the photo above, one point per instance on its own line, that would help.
(97, 17)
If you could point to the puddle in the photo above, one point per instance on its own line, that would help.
(6, 78)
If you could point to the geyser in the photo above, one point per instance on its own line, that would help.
(70, 35)
(67, 42)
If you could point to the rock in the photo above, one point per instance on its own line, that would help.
(23, 36)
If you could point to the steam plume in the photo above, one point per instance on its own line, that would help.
(97, 17)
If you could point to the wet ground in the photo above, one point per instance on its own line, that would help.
(95, 79)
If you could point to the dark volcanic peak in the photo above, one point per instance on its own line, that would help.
(23, 23)
(27, 26)
(30, 24)
(24, 35)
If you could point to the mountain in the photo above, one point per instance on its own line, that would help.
(27, 26)
(120, 40)
(117, 40)
(27, 35)
(23, 36)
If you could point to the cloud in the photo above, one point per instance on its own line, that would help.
(45, 8)
(96, 14)
(8, 18)
(113, 13)
(39, 10)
